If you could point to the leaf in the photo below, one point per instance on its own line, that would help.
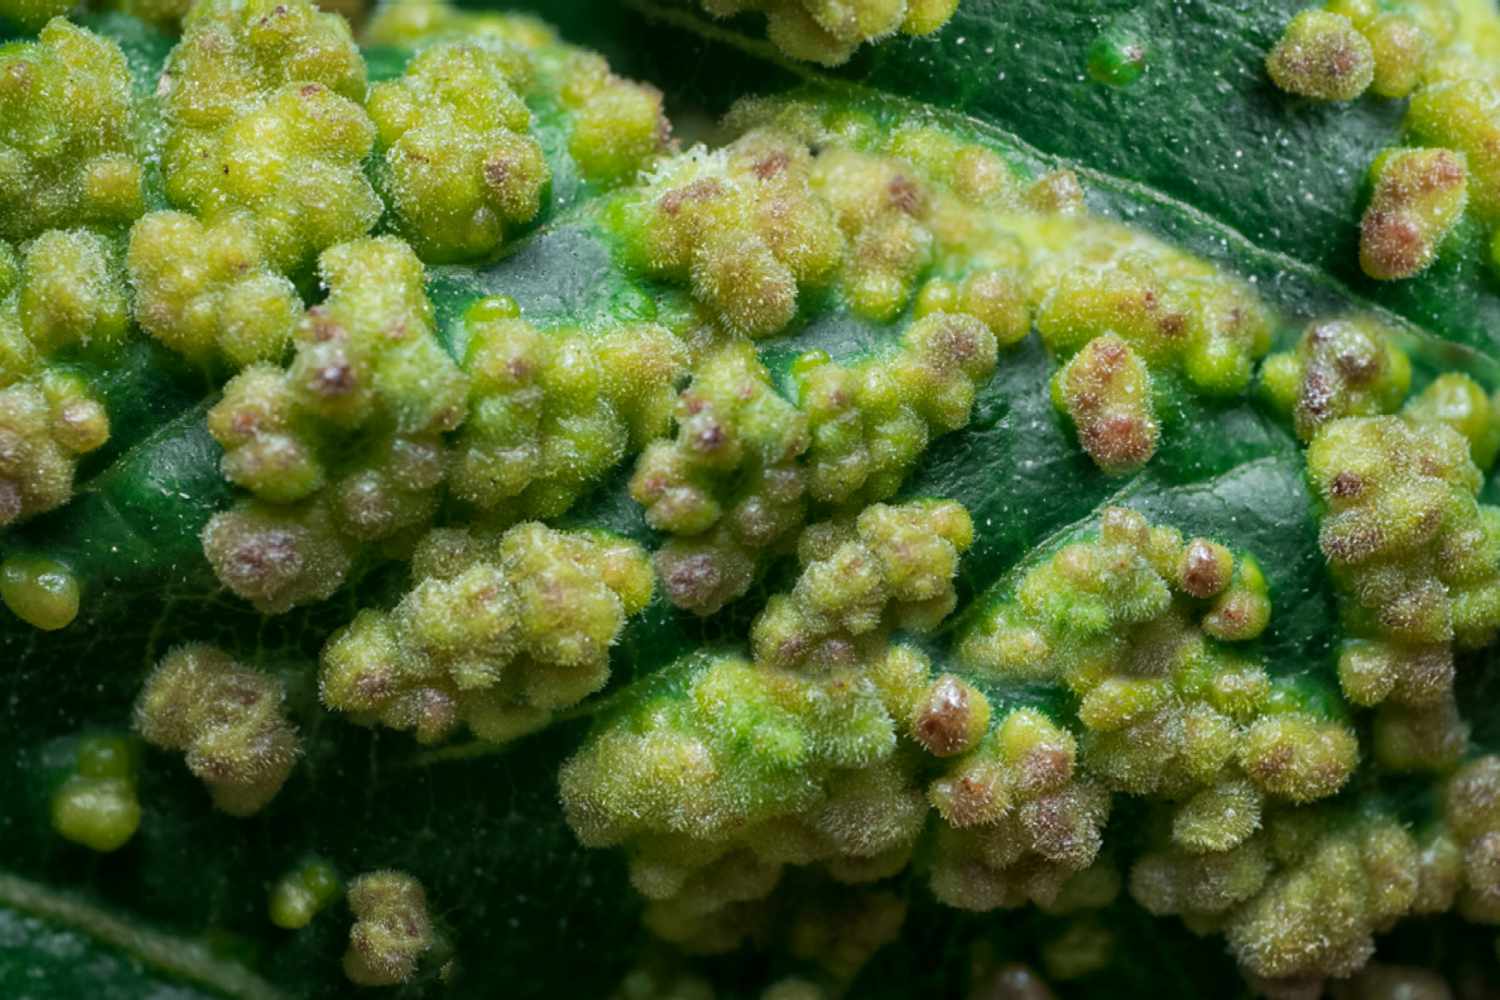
(1200, 151)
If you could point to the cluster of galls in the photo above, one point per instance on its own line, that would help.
(262, 102)
(1420, 50)
(1347, 366)
(1121, 309)
(828, 33)
(228, 719)
(60, 299)
(734, 483)
(551, 411)
(806, 200)
(343, 446)
(1415, 556)
(618, 126)
(392, 929)
(1135, 625)
(458, 167)
(499, 632)
(1300, 901)
(732, 769)
(68, 154)
(1021, 821)
(727, 485)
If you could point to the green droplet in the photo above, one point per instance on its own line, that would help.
(1117, 58)
(808, 360)
(493, 307)
(42, 592)
(99, 813)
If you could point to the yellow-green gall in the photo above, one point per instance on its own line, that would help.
(498, 633)
(269, 448)
(871, 421)
(1322, 56)
(1418, 196)
(1459, 114)
(1413, 551)
(1297, 756)
(731, 466)
(1218, 818)
(72, 291)
(550, 412)
(370, 350)
(1401, 46)
(951, 718)
(458, 165)
(45, 424)
(392, 929)
(67, 157)
(1316, 916)
(1371, 671)
(619, 126)
(1340, 368)
(895, 570)
(262, 102)
(207, 291)
(1430, 737)
(1105, 389)
(228, 719)
(96, 806)
(1457, 400)
(277, 557)
(41, 592)
(741, 226)
(300, 894)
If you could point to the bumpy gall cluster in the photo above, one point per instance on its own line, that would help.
(67, 147)
(392, 929)
(1135, 625)
(551, 411)
(869, 422)
(1416, 557)
(207, 292)
(727, 485)
(61, 298)
(1342, 367)
(740, 768)
(228, 719)
(262, 101)
(458, 165)
(498, 633)
(343, 446)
